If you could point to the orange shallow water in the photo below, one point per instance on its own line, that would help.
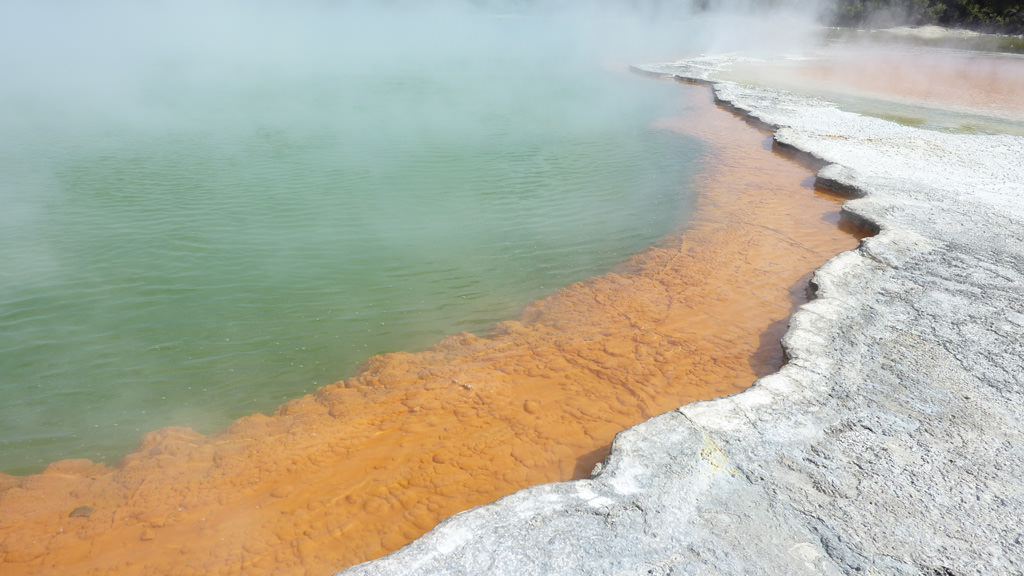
(978, 82)
(363, 466)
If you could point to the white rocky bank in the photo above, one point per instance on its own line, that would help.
(891, 443)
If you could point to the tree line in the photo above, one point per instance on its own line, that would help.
(999, 16)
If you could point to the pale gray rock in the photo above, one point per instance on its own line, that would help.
(892, 442)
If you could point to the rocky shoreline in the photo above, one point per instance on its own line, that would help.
(892, 442)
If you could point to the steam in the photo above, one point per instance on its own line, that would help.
(77, 72)
(80, 70)
(95, 48)
(100, 88)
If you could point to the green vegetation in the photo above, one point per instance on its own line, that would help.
(1000, 16)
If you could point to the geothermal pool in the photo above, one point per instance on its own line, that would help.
(205, 219)
(298, 200)
(361, 467)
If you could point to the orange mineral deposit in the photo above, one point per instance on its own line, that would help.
(970, 82)
(363, 466)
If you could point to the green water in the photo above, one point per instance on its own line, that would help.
(195, 228)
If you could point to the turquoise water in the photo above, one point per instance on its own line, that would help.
(201, 221)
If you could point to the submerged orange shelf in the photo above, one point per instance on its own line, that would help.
(362, 467)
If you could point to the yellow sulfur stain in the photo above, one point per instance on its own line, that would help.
(716, 457)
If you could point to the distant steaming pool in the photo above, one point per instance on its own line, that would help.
(210, 229)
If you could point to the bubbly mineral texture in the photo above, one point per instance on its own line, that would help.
(892, 442)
